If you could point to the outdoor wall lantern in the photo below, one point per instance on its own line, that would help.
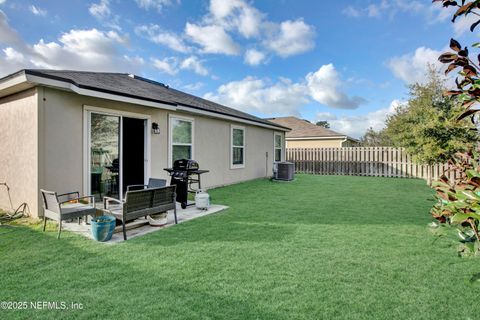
(155, 128)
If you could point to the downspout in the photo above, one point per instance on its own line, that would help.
(344, 140)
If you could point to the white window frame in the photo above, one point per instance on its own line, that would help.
(171, 118)
(237, 166)
(275, 134)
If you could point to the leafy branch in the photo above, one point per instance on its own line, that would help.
(467, 82)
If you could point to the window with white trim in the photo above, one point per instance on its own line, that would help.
(181, 138)
(277, 147)
(237, 141)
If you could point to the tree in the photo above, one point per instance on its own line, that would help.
(373, 138)
(323, 123)
(427, 126)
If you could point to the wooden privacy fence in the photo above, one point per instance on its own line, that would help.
(363, 161)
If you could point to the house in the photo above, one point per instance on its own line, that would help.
(308, 135)
(98, 132)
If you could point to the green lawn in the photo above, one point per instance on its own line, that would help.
(321, 247)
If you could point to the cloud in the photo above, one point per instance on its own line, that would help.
(101, 11)
(172, 65)
(194, 86)
(192, 63)
(166, 65)
(2, 1)
(325, 87)
(433, 12)
(8, 36)
(13, 56)
(37, 11)
(357, 125)
(212, 39)
(462, 24)
(78, 49)
(324, 116)
(228, 19)
(236, 15)
(153, 4)
(385, 8)
(352, 12)
(155, 34)
(260, 96)
(285, 96)
(254, 57)
(413, 67)
(291, 38)
(84, 49)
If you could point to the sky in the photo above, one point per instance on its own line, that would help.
(347, 62)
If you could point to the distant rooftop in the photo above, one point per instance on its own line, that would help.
(305, 129)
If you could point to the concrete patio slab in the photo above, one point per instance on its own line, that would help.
(141, 227)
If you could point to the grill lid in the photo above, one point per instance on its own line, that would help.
(185, 164)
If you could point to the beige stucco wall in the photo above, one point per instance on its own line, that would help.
(18, 150)
(331, 143)
(212, 150)
(62, 140)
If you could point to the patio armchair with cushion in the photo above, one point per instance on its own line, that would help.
(152, 183)
(71, 208)
(140, 203)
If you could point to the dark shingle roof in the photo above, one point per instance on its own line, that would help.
(136, 87)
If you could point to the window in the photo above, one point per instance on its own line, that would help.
(238, 147)
(181, 138)
(278, 147)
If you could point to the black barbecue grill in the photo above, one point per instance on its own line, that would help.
(185, 174)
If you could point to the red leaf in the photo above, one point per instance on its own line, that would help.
(463, 53)
(468, 104)
(452, 92)
(455, 45)
(474, 25)
(469, 71)
(469, 112)
(463, 10)
(461, 61)
(447, 57)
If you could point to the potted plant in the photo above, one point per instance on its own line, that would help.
(102, 227)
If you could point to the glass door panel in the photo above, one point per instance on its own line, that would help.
(104, 156)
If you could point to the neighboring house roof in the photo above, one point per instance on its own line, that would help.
(138, 88)
(304, 129)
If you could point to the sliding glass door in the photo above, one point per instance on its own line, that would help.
(104, 155)
(117, 147)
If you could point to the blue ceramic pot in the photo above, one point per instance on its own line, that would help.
(102, 227)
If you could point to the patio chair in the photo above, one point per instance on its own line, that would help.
(68, 209)
(152, 183)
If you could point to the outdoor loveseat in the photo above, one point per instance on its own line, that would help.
(140, 203)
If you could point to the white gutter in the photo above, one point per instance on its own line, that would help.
(92, 93)
(226, 117)
(13, 82)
